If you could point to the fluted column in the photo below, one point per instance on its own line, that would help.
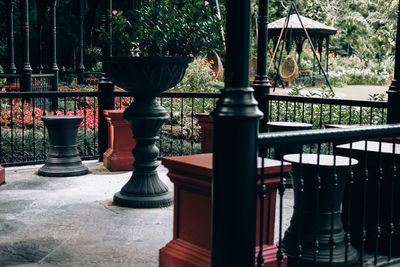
(394, 89)
(53, 36)
(261, 83)
(234, 158)
(81, 67)
(26, 70)
(10, 65)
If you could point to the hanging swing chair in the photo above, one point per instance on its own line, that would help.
(289, 70)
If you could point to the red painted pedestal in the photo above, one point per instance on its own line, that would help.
(207, 132)
(2, 175)
(118, 156)
(191, 244)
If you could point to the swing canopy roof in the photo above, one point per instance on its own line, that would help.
(314, 28)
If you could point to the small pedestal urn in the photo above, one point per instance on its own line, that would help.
(316, 217)
(145, 78)
(63, 156)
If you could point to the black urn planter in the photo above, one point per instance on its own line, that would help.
(145, 78)
(326, 220)
(63, 156)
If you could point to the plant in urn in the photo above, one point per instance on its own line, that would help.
(158, 62)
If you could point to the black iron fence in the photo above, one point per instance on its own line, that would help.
(342, 205)
(322, 111)
(9, 82)
(24, 140)
(21, 131)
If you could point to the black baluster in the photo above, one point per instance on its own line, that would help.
(321, 109)
(394, 178)
(294, 111)
(312, 114)
(350, 114)
(84, 131)
(12, 130)
(335, 185)
(34, 128)
(192, 138)
(161, 132)
(279, 111)
(378, 214)
(300, 203)
(347, 236)
(262, 191)
(340, 114)
(23, 129)
(65, 106)
(330, 114)
(302, 113)
(364, 205)
(181, 138)
(361, 111)
(281, 189)
(371, 115)
(318, 184)
(172, 132)
(94, 126)
(286, 110)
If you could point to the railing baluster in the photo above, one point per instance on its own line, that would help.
(361, 111)
(23, 129)
(347, 236)
(378, 214)
(300, 203)
(65, 106)
(371, 115)
(302, 113)
(294, 112)
(330, 113)
(192, 138)
(350, 114)
(33, 128)
(278, 114)
(94, 127)
(182, 117)
(160, 142)
(321, 115)
(12, 129)
(286, 110)
(334, 186)
(340, 114)
(281, 189)
(318, 184)
(312, 114)
(262, 191)
(364, 205)
(84, 132)
(172, 132)
(393, 180)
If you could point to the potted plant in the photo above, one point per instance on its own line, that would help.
(164, 38)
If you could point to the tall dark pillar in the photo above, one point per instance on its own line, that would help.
(394, 89)
(327, 55)
(234, 158)
(261, 83)
(26, 70)
(81, 67)
(40, 9)
(106, 87)
(53, 55)
(10, 65)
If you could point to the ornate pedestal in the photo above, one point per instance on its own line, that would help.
(318, 212)
(191, 244)
(207, 131)
(63, 156)
(118, 157)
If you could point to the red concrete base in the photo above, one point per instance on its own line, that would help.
(207, 131)
(191, 244)
(118, 156)
(2, 175)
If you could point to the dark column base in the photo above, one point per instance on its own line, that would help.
(54, 169)
(140, 201)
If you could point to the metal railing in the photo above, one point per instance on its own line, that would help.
(344, 199)
(322, 111)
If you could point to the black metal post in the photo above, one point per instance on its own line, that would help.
(10, 65)
(106, 101)
(234, 159)
(394, 89)
(81, 67)
(53, 55)
(327, 55)
(106, 87)
(26, 70)
(261, 83)
(40, 7)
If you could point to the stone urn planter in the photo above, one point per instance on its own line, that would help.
(145, 78)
